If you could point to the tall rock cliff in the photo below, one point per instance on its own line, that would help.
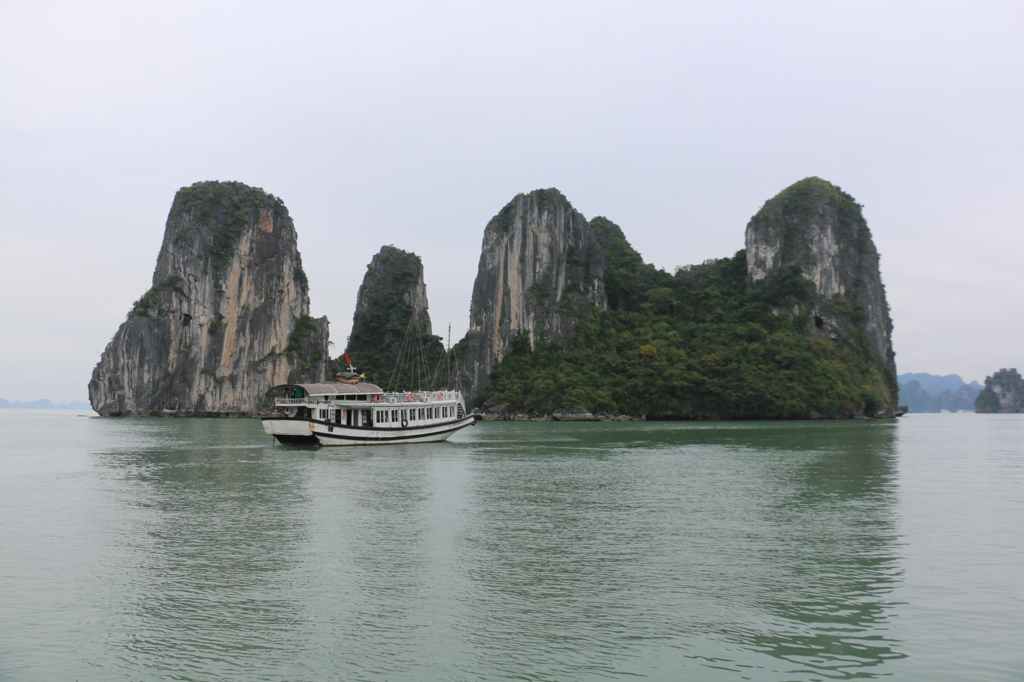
(227, 316)
(391, 340)
(817, 227)
(1003, 393)
(541, 272)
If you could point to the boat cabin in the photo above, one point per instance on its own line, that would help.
(365, 405)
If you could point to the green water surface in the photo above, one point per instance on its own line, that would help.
(181, 549)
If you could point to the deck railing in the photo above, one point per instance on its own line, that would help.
(420, 397)
(390, 398)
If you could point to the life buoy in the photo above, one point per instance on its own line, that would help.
(440, 395)
(376, 398)
(410, 397)
(405, 422)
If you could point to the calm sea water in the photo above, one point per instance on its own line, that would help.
(142, 549)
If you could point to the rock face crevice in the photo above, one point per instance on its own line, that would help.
(817, 227)
(541, 272)
(226, 319)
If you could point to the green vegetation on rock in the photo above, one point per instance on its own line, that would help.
(701, 344)
(545, 199)
(787, 211)
(1003, 392)
(147, 303)
(227, 206)
(305, 326)
(300, 277)
(503, 220)
(387, 344)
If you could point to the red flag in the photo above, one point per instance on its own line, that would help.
(347, 361)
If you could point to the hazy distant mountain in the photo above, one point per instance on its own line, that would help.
(922, 392)
(45, 404)
(935, 384)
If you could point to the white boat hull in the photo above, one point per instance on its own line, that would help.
(294, 431)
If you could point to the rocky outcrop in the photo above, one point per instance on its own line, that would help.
(815, 226)
(227, 316)
(541, 272)
(391, 340)
(393, 278)
(1003, 393)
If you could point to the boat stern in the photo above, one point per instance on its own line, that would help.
(290, 431)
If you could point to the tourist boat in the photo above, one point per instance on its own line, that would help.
(352, 411)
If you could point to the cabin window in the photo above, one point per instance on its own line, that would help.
(394, 415)
(430, 413)
(421, 414)
(323, 414)
(444, 411)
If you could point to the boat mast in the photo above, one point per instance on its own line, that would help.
(448, 356)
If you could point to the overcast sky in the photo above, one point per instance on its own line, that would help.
(412, 123)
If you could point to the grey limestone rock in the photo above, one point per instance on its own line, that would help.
(540, 274)
(817, 227)
(227, 316)
(1003, 393)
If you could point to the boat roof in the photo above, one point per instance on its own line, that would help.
(338, 388)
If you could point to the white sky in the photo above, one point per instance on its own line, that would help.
(412, 123)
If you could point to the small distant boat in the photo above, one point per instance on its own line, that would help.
(352, 411)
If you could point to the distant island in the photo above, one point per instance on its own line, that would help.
(44, 404)
(922, 392)
(1003, 393)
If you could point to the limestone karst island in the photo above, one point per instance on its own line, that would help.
(566, 317)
